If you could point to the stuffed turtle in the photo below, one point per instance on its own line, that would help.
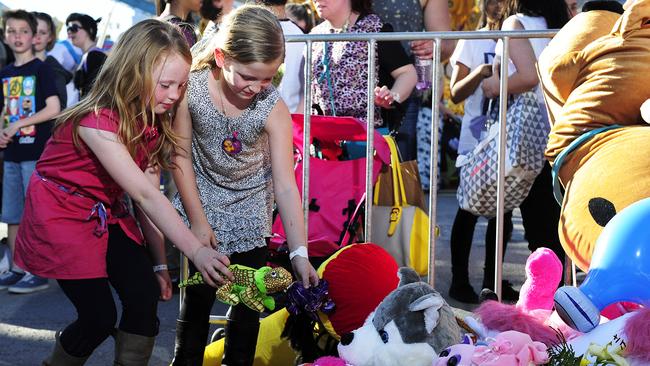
(250, 287)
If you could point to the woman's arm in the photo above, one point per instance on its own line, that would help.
(523, 57)
(278, 127)
(185, 178)
(405, 79)
(115, 158)
(463, 83)
(436, 19)
(155, 240)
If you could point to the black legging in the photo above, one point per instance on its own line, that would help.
(198, 300)
(540, 215)
(130, 274)
(462, 234)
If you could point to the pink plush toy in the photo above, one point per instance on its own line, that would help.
(457, 354)
(510, 348)
(532, 313)
(543, 275)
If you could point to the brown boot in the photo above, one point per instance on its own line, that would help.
(60, 357)
(240, 343)
(132, 349)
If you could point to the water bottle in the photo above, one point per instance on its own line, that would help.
(424, 69)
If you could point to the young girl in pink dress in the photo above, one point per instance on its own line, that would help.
(77, 225)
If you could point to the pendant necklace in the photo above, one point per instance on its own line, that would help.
(231, 145)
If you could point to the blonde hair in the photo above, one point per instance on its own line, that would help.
(248, 34)
(125, 85)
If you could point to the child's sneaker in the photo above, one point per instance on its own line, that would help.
(28, 284)
(10, 278)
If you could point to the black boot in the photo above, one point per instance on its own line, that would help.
(508, 294)
(190, 344)
(240, 343)
(461, 290)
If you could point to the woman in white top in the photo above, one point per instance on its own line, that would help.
(472, 63)
(540, 213)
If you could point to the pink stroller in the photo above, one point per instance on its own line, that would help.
(336, 187)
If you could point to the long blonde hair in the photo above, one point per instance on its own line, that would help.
(125, 85)
(248, 34)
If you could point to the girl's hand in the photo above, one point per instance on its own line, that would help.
(212, 265)
(384, 98)
(205, 234)
(304, 271)
(165, 283)
(491, 86)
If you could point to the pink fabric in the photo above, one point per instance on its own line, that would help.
(511, 348)
(637, 333)
(503, 317)
(335, 187)
(61, 234)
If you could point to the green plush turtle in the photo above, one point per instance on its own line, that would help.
(250, 287)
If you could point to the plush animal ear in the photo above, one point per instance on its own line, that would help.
(430, 303)
(407, 275)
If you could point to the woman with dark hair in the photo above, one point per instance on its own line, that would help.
(340, 70)
(178, 12)
(540, 212)
(82, 31)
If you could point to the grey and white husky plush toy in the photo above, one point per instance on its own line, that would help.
(409, 327)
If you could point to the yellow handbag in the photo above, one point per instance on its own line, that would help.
(401, 229)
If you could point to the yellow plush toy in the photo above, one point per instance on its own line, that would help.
(593, 79)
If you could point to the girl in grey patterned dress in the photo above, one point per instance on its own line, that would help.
(235, 156)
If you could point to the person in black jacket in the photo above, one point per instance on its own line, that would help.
(82, 31)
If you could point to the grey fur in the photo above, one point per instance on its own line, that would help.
(412, 324)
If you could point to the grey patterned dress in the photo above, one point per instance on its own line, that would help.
(236, 190)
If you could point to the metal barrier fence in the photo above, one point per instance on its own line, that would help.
(437, 38)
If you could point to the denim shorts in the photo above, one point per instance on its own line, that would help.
(14, 187)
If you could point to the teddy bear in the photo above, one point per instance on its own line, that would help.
(594, 84)
(409, 327)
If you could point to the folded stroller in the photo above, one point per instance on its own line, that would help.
(336, 187)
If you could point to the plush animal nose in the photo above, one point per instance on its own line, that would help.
(347, 338)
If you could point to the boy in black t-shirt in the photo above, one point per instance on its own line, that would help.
(29, 103)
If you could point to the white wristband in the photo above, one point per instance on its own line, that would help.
(301, 251)
(160, 267)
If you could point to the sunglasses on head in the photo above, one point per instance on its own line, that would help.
(74, 28)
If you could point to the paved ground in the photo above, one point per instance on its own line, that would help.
(28, 322)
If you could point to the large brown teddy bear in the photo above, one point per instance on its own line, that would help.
(593, 78)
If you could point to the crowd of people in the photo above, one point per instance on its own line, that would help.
(203, 94)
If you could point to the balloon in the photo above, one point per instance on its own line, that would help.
(619, 270)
